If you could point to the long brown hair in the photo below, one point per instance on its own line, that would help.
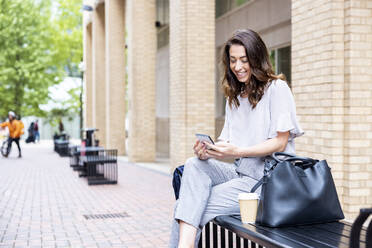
(260, 68)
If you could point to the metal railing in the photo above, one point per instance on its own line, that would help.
(216, 236)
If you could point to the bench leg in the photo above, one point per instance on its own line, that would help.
(357, 226)
(245, 243)
(369, 235)
(207, 235)
(230, 239)
(237, 241)
(214, 233)
(223, 240)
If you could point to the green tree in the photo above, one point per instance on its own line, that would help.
(27, 56)
(67, 35)
(68, 40)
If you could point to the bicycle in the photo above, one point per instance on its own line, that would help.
(4, 144)
(4, 148)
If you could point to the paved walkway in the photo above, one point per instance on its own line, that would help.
(43, 203)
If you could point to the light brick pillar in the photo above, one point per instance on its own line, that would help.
(115, 74)
(192, 75)
(88, 82)
(99, 84)
(358, 105)
(331, 54)
(141, 76)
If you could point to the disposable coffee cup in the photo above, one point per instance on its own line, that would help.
(248, 206)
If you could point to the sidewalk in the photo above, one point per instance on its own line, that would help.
(43, 203)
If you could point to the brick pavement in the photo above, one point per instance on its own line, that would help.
(42, 203)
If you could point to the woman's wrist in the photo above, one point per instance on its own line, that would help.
(241, 152)
(238, 152)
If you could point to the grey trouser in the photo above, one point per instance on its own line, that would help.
(208, 189)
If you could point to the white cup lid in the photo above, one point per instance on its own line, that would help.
(248, 196)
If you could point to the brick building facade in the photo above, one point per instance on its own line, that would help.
(171, 63)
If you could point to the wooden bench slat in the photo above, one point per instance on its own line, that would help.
(332, 241)
(343, 228)
(295, 237)
(336, 229)
(323, 232)
(338, 234)
(326, 235)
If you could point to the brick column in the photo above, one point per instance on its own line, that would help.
(358, 105)
(141, 76)
(192, 75)
(88, 82)
(115, 74)
(99, 85)
(331, 54)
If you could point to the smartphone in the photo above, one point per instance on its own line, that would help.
(205, 138)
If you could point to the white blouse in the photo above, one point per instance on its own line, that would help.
(244, 126)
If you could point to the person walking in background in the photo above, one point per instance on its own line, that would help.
(61, 128)
(15, 132)
(31, 133)
(36, 131)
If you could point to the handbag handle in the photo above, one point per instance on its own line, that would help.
(305, 161)
(276, 154)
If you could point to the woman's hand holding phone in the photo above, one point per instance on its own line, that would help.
(222, 150)
(205, 148)
(200, 150)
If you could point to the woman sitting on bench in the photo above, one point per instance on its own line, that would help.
(260, 119)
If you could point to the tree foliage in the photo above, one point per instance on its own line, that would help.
(68, 35)
(68, 42)
(27, 64)
(40, 44)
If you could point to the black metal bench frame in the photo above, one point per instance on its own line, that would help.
(102, 167)
(74, 156)
(61, 147)
(228, 231)
(78, 154)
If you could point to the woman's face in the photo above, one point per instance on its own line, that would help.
(239, 63)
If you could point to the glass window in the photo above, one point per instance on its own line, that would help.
(272, 60)
(163, 36)
(281, 60)
(224, 6)
(162, 12)
(284, 62)
(162, 22)
(237, 3)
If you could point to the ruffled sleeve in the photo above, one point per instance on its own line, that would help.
(283, 111)
(225, 133)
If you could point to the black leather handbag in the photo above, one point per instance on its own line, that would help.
(295, 191)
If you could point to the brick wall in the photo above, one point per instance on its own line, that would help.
(331, 51)
(192, 75)
(141, 76)
(99, 83)
(358, 105)
(115, 74)
(88, 83)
